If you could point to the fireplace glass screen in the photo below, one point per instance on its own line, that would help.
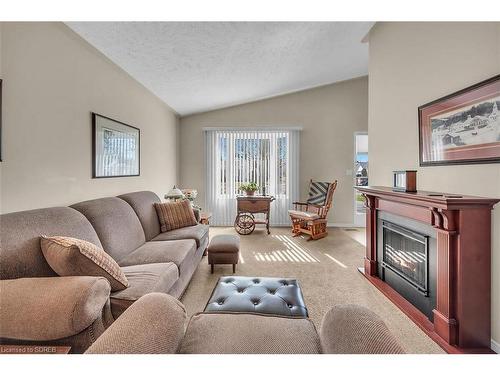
(405, 253)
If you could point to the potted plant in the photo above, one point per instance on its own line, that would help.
(249, 188)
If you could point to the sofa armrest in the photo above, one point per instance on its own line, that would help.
(352, 329)
(50, 308)
(154, 324)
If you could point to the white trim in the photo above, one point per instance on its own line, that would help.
(253, 128)
(495, 346)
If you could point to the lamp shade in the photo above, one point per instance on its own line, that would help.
(174, 193)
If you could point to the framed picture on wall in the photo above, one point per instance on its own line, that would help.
(462, 128)
(115, 148)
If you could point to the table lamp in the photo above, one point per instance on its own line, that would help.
(174, 194)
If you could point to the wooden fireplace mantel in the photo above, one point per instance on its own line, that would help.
(462, 317)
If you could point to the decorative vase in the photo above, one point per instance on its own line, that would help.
(250, 193)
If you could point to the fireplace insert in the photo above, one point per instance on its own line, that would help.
(405, 252)
(406, 259)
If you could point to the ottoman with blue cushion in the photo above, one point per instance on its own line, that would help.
(262, 295)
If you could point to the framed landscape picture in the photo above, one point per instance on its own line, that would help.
(463, 127)
(115, 148)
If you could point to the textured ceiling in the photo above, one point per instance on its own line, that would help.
(200, 66)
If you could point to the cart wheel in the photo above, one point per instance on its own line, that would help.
(244, 224)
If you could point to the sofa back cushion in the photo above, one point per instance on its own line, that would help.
(20, 252)
(116, 224)
(143, 204)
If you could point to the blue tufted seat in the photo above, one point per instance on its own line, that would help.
(263, 295)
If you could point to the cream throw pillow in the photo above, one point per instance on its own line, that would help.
(69, 256)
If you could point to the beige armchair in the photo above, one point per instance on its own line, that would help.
(155, 324)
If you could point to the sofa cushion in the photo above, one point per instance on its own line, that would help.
(143, 204)
(116, 224)
(69, 256)
(178, 252)
(196, 232)
(20, 252)
(236, 333)
(144, 279)
(174, 215)
(50, 308)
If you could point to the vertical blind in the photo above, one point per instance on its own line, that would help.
(267, 157)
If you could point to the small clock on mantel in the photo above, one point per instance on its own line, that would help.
(405, 181)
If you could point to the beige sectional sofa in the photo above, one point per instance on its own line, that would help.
(38, 306)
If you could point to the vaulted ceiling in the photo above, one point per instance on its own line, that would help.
(200, 66)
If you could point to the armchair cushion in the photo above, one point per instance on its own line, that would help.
(352, 329)
(50, 308)
(153, 325)
(69, 256)
(237, 333)
(306, 215)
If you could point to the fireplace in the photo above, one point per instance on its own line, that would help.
(405, 253)
(406, 258)
(430, 254)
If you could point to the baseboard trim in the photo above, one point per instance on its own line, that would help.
(495, 346)
(344, 225)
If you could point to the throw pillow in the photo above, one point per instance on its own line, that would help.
(73, 257)
(174, 215)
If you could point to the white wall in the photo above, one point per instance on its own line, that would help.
(412, 64)
(329, 116)
(53, 79)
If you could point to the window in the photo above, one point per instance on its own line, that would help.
(234, 157)
(252, 157)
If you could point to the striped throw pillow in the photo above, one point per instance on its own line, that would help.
(69, 256)
(174, 215)
(318, 192)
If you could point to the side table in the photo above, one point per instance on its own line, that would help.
(205, 217)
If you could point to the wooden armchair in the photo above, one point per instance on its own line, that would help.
(310, 217)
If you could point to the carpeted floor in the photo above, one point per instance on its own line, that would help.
(327, 272)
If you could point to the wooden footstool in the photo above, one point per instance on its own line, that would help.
(224, 249)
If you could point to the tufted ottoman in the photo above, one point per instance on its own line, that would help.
(264, 295)
(223, 249)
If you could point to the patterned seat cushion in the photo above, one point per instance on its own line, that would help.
(306, 215)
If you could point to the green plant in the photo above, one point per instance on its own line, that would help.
(251, 186)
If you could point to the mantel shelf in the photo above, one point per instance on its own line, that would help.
(429, 198)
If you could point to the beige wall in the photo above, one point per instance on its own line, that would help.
(329, 116)
(53, 79)
(412, 64)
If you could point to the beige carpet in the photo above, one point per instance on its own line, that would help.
(327, 272)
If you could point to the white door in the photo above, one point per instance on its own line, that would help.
(360, 175)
